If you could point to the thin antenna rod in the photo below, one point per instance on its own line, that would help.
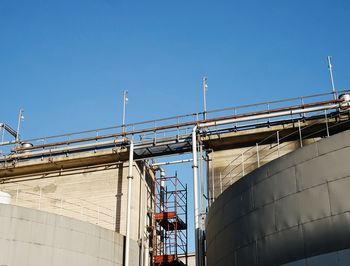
(125, 101)
(205, 87)
(20, 119)
(330, 68)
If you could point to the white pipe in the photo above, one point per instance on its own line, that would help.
(141, 210)
(195, 194)
(262, 116)
(198, 252)
(145, 233)
(67, 149)
(172, 162)
(130, 177)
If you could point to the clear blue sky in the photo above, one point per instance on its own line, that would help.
(67, 62)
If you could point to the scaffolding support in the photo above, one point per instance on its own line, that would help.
(170, 236)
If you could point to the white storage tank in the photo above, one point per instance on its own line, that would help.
(5, 198)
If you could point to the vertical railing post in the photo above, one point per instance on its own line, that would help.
(178, 130)
(300, 136)
(257, 154)
(302, 104)
(327, 128)
(235, 114)
(155, 132)
(278, 143)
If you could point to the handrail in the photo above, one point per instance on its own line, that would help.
(180, 125)
(164, 128)
(193, 115)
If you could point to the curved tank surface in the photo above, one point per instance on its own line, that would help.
(294, 210)
(30, 237)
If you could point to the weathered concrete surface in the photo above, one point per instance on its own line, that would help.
(225, 167)
(96, 193)
(34, 238)
(294, 207)
(234, 154)
(25, 167)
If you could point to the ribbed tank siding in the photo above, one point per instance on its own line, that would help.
(337, 258)
(295, 207)
(30, 237)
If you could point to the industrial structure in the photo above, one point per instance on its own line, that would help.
(111, 178)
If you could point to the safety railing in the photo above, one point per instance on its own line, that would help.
(273, 147)
(159, 128)
(36, 198)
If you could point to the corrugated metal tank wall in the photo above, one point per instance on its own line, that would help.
(295, 207)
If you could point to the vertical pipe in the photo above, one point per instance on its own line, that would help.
(130, 177)
(195, 194)
(201, 187)
(143, 207)
(257, 154)
(212, 178)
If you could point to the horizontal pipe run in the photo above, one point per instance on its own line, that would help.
(269, 115)
(191, 123)
(185, 116)
(78, 148)
(173, 162)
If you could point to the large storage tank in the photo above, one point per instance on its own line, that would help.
(294, 210)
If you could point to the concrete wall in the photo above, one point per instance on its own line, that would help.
(33, 238)
(294, 207)
(94, 194)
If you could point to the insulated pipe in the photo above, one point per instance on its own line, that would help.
(195, 194)
(198, 253)
(173, 162)
(9, 129)
(130, 177)
(270, 115)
